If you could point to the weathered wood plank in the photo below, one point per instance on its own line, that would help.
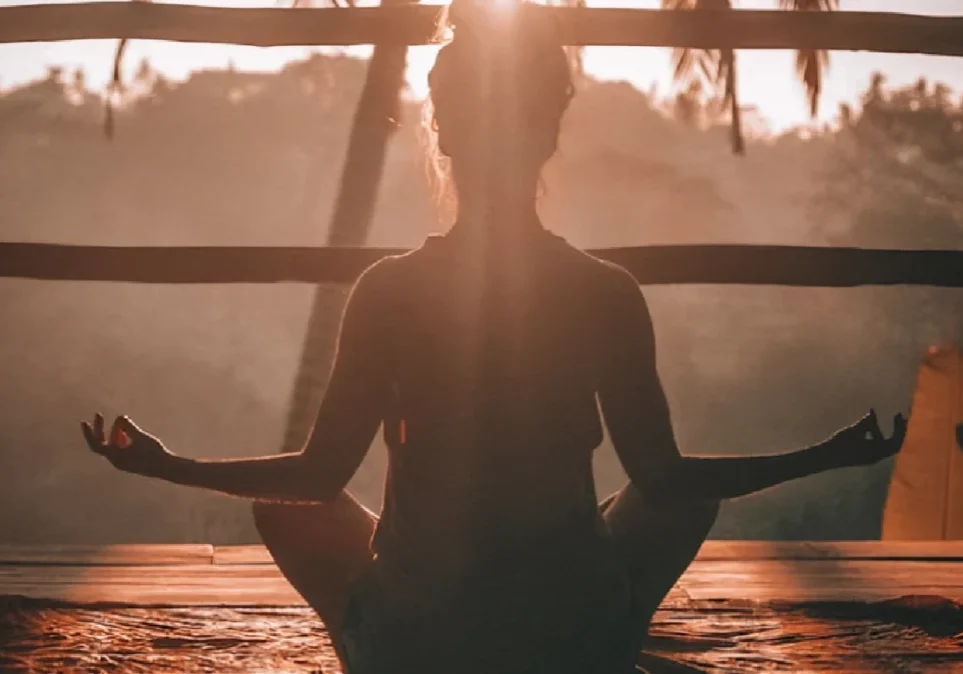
(792, 580)
(248, 594)
(181, 585)
(816, 594)
(873, 31)
(726, 550)
(242, 554)
(822, 580)
(163, 554)
(106, 555)
(718, 640)
(720, 264)
(910, 550)
(184, 585)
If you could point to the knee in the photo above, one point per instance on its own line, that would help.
(316, 520)
(692, 520)
(265, 515)
(273, 517)
(709, 507)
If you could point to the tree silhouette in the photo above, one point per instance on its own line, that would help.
(899, 163)
(717, 67)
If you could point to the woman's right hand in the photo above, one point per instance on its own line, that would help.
(128, 448)
(863, 443)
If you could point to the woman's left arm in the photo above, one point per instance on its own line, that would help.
(349, 416)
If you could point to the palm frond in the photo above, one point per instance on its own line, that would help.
(810, 66)
(680, 4)
(114, 88)
(726, 77)
(811, 63)
(311, 3)
(809, 5)
(714, 68)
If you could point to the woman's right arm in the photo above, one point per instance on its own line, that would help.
(637, 416)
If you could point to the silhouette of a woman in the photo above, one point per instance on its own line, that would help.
(486, 355)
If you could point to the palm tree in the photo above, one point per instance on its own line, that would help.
(811, 63)
(717, 67)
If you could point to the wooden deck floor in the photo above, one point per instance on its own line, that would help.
(741, 607)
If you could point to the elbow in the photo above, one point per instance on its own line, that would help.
(314, 489)
(326, 494)
(672, 483)
(320, 484)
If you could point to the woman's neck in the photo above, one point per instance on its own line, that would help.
(502, 210)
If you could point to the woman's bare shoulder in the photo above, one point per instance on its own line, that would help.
(391, 275)
(610, 276)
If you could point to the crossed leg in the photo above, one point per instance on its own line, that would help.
(657, 542)
(320, 549)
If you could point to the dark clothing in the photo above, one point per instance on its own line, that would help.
(559, 610)
(490, 553)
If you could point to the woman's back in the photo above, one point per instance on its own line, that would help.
(493, 417)
(490, 515)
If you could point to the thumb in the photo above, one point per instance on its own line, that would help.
(899, 429)
(124, 431)
(872, 426)
(90, 435)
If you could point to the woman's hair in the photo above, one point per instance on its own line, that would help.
(507, 58)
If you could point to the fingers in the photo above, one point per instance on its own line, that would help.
(899, 430)
(122, 434)
(869, 426)
(99, 428)
(875, 432)
(92, 438)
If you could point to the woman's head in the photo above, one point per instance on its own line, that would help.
(498, 92)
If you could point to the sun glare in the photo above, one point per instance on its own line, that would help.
(503, 6)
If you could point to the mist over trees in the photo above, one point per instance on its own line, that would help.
(229, 158)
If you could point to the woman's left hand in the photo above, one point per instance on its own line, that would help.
(864, 444)
(128, 448)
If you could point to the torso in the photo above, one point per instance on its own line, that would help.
(494, 417)
(490, 533)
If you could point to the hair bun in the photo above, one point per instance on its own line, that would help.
(508, 26)
(502, 42)
(476, 13)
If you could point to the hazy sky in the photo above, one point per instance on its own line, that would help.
(766, 80)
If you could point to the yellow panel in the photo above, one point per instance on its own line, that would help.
(954, 511)
(925, 500)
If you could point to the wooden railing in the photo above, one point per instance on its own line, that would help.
(416, 24)
(856, 31)
(690, 264)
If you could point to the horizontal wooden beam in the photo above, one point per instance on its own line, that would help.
(744, 29)
(713, 264)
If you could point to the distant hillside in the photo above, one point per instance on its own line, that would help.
(230, 158)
